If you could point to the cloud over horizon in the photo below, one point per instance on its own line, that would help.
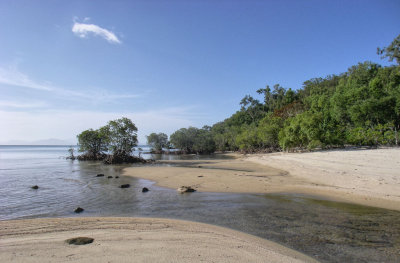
(66, 124)
(83, 30)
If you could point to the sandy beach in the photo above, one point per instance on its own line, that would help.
(367, 177)
(134, 240)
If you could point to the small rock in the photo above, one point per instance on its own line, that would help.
(35, 187)
(186, 189)
(125, 186)
(117, 176)
(145, 189)
(200, 176)
(100, 175)
(79, 240)
(109, 177)
(79, 210)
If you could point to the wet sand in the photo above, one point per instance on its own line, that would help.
(134, 240)
(366, 177)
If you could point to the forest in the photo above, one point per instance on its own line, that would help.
(360, 107)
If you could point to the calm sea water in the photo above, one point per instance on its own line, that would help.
(326, 230)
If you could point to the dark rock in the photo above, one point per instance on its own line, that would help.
(125, 186)
(100, 175)
(109, 177)
(186, 189)
(117, 176)
(200, 176)
(123, 158)
(35, 187)
(79, 210)
(79, 240)
(145, 189)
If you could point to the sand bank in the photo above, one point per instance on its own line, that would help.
(134, 240)
(368, 177)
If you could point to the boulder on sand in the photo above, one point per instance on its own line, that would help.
(125, 186)
(186, 189)
(145, 189)
(79, 240)
(100, 175)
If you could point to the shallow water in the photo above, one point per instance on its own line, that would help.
(328, 231)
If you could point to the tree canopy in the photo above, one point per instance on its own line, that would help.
(158, 141)
(392, 51)
(118, 137)
(193, 140)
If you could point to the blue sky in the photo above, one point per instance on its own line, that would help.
(66, 66)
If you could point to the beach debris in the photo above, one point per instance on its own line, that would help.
(79, 240)
(79, 210)
(145, 189)
(125, 186)
(35, 187)
(100, 175)
(109, 177)
(186, 189)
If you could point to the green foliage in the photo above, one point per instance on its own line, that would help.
(193, 140)
(118, 136)
(122, 136)
(157, 141)
(93, 142)
(392, 51)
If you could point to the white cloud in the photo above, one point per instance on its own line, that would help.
(22, 105)
(83, 30)
(11, 76)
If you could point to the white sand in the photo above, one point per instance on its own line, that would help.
(134, 240)
(368, 177)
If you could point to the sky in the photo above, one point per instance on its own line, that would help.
(67, 66)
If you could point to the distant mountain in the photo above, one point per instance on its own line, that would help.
(51, 141)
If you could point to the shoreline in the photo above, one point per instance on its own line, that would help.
(121, 239)
(366, 177)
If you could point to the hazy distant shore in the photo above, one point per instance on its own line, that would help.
(367, 177)
(134, 239)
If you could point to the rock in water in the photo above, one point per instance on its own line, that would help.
(100, 175)
(186, 189)
(125, 186)
(145, 189)
(109, 177)
(79, 210)
(79, 240)
(117, 176)
(35, 187)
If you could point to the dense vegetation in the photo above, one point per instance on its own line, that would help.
(194, 140)
(157, 141)
(118, 138)
(358, 107)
